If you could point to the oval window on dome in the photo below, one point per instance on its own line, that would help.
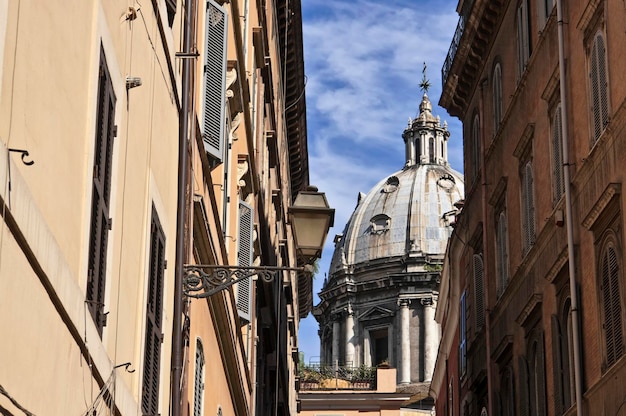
(391, 185)
(446, 181)
(379, 223)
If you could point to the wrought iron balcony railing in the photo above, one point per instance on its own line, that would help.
(322, 377)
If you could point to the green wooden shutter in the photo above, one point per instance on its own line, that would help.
(154, 313)
(244, 258)
(101, 192)
(214, 89)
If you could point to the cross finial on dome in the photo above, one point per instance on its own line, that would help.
(425, 84)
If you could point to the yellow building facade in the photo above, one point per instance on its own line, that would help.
(102, 216)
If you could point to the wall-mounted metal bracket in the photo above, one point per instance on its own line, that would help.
(24, 156)
(203, 281)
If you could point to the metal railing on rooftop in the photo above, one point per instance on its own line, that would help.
(328, 377)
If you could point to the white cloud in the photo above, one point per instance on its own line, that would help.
(363, 61)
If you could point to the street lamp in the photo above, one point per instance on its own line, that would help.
(310, 217)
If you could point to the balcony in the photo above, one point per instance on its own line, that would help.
(325, 378)
(452, 50)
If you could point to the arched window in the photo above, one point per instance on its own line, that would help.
(562, 359)
(610, 276)
(479, 290)
(475, 148)
(599, 87)
(502, 252)
(557, 155)
(523, 36)
(497, 97)
(528, 207)
(198, 389)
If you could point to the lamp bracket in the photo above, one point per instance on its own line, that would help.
(203, 280)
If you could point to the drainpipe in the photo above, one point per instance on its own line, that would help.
(485, 241)
(183, 134)
(568, 219)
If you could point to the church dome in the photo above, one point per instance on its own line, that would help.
(378, 303)
(407, 214)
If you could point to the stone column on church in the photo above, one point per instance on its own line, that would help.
(335, 350)
(405, 342)
(350, 341)
(431, 337)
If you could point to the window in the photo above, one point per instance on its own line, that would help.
(154, 313)
(479, 290)
(244, 258)
(475, 149)
(213, 131)
(544, 10)
(563, 359)
(536, 375)
(170, 6)
(599, 87)
(610, 275)
(523, 36)
(100, 196)
(497, 97)
(502, 252)
(528, 207)
(463, 335)
(507, 392)
(558, 179)
(198, 390)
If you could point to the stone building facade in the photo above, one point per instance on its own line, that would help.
(536, 295)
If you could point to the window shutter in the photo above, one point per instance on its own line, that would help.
(154, 313)
(557, 366)
(612, 307)
(529, 207)
(214, 91)
(502, 253)
(497, 97)
(524, 400)
(475, 148)
(100, 200)
(479, 290)
(603, 86)
(540, 376)
(244, 258)
(557, 155)
(463, 334)
(198, 391)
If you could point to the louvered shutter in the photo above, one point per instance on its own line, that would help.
(244, 258)
(523, 41)
(529, 207)
(503, 258)
(557, 365)
(612, 307)
(100, 200)
(154, 313)
(603, 87)
(463, 334)
(557, 155)
(198, 391)
(497, 97)
(524, 399)
(540, 376)
(599, 87)
(479, 291)
(214, 90)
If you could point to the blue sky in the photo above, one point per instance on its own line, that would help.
(363, 63)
